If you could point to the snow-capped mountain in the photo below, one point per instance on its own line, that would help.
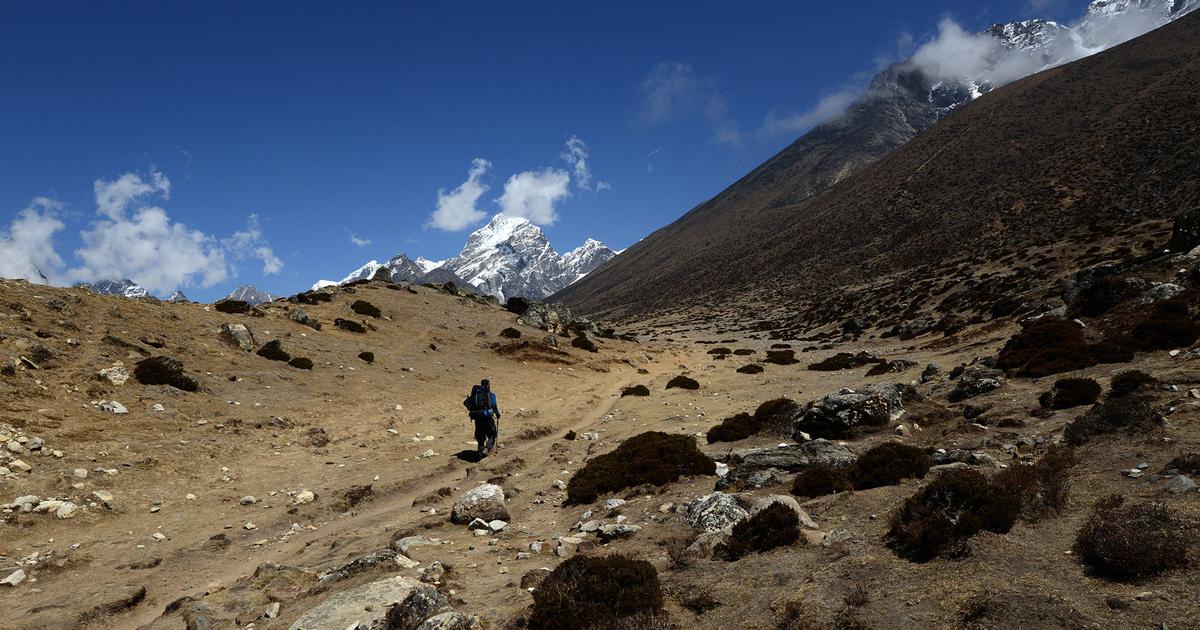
(510, 256)
(178, 298)
(124, 288)
(580, 261)
(507, 257)
(251, 295)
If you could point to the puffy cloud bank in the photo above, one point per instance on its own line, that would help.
(133, 237)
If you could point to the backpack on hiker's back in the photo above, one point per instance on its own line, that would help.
(480, 401)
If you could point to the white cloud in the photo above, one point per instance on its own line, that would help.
(829, 106)
(456, 209)
(27, 249)
(533, 194)
(145, 245)
(576, 154)
(249, 243)
(673, 91)
(649, 164)
(359, 242)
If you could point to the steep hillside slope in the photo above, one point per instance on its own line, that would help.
(1105, 141)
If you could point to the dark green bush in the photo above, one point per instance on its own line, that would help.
(776, 526)
(821, 479)
(1185, 464)
(587, 592)
(845, 361)
(1050, 346)
(732, 429)
(1101, 297)
(510, 333)
(753, 368)
(1129, 415)
(941, 517)
(776, 414)
(888, 463)
(1130, 543)
(683, 382)
(720, 351)
(652, 457)
(1128, 382)
(1071, 392)
(584, 343)
(781, 357)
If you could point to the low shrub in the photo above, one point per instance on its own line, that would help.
(1043, 487)
(781, 357)
(720, 351)
(1071, 392)
(743, 352)
(274, 351)
(232, 306)
(301, 363)
(1101, 297)
(595, 592)
(776, 414)
(1185, 464)
(821, 479)
(1131, 542)
(367, 356)
(845, 361)
(888, 463)
(732, 429)
(652, 457)
(510, 333)
(753, 368)
(683, 382)
(1168, 326)
(635, 390)
(776, 526)
(363, 307)
(517, 305)
(1128, 415)
(349, 325)
(941, 517)
(1128, 382)
(164, 371)
(1051, 346)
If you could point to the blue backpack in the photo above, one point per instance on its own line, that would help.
(481, 400)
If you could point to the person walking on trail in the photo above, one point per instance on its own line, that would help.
(482, 408)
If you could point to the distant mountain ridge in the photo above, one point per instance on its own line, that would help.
(508, 257)
(124, 288)
(251, 295)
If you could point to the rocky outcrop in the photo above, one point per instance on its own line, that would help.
(363, 605)
(552, 317)
(714, 512)
(975, 381)
(838, 415)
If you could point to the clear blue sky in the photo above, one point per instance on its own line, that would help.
(327, 120)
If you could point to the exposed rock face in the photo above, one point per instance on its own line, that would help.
(485, 502)
(792, 457)
(251, 295)
(367, 604)
(974, 382)
(552, 317)
(124, 288)
(837, 415)
(714, 512)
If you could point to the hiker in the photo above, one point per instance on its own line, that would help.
(481, 405)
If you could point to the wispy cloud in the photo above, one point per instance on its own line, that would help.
(648, 163)
(672, 91)
(359, 242)
(575, 153)
(249, 243)
(456, 209)
(534, 195)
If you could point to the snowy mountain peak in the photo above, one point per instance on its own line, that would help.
(124, 288)
(427, 265)
(251, 295)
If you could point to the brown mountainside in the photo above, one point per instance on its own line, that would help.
(1068, 154)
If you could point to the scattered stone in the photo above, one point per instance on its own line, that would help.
(450, 620)
(79, 473)
(615, 531)
(248, 500)
(272, 610)
(112, 406)
(300, 316)
(485, 501)
(14, 578)
(1179, 484)
(975, 381)
(304, 496)
(930, 372)
(117, 374)
(105, 498)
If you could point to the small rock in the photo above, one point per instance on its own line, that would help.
(112, 406)
(272, 610)
(304, 496)
(14, 578)
(80, 473)
(1179, 484)
(248, 500)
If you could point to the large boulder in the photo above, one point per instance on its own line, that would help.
(450, 621)
(554, 318)
(365, 605)
(485, 501)
(789, 502)
(837, 415)
(975, 381)
(238, 335)
(714, 512)
(793, 457)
